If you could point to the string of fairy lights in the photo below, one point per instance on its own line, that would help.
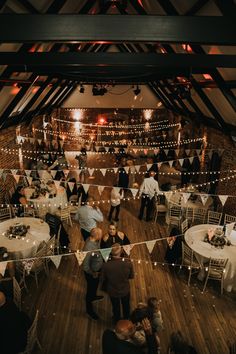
(116, 169)
(116, 126)
(105, 252)
(164, 144)
(46, 202)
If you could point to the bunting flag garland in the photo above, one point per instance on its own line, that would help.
(134, 191)
(191, 159)
(53, 173)
(56, 260)
(150, 245)
(186, 197)
(86, 187)
(204, 198)
(100, 189)
(103, 171)
(71, 185)
(149, 165)
(223, 199)
(28, 264)
(105, 252)
(80, 257)
(57, 184)
(128, 249)
(126, 169)
(90, 171)
(181, 161)
(171, 163)
(17, 177)
(3, 266)
(66, 172)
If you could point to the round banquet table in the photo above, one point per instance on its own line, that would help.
(26, 246)
(45, 204)
(194, 238)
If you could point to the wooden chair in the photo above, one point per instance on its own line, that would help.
(184, 226)
(216, 271)
(228, 219)
(36, 266)
(32, 336)
(64, 215)
(232, 348)
(214, 217)
(189, 261)
(16, 293)
(189, 215)
(29, 211)
(5, 213)
(159, 208)
(199, 216)
(175, 215)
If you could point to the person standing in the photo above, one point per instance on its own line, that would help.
(115, 276)
(14, 325)
(92, 265)
(148, 189)
(116, 195)
(88, 215)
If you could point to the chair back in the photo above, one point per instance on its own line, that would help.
(39, 262)
(229, 218)
(199, 215)
(5, 213)
(214, 217)
(175, 214)
(16, 293)
(189, 215)
(51, 244)
(184, 226)
(54, 223)
(187, 254)
(32, 336)
(216, 268)
(29, 211)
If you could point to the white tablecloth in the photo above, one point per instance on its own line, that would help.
(50, 205)
(194, 238)
(28, 245)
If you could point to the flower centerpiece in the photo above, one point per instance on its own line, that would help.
(216, 237)
(17, 230)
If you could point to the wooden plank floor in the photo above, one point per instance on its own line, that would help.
(207, 320)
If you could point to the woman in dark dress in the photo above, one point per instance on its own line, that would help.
(18, 199)
(114, 236)
(174, 246)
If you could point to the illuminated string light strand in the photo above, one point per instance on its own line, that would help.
(122, 126)
(122, 142)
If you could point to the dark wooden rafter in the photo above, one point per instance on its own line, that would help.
(77, 60)
(28, 6)
(65, 95)
(87, 6)
(227, 7)
(56, 6)
(84, 28)
(47, 96)
(58, 93)
(170, 10)
(165, 99)
(35, 97)
(2, 4)
(15, 101)
(61, 93)
(196, 7)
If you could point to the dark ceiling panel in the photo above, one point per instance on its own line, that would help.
(76, 60)
(69, 28)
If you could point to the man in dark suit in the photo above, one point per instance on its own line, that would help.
(116, 274)
(14, 325)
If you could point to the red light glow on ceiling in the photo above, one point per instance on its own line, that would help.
(101, 120)
(207, 77)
